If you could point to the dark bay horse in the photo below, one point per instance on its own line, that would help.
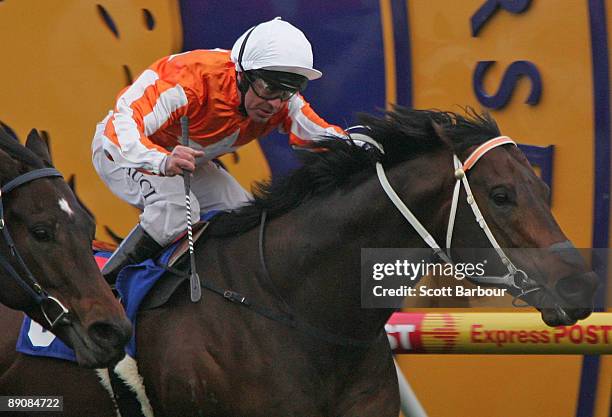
(46, 265)
(217, 358)
(294, 340)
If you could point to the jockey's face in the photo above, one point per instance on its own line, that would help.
(261, 109)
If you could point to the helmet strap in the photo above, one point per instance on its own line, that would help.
(243, 87)
(243, 83)
(241, 53)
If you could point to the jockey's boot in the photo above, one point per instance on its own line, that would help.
(135, 248)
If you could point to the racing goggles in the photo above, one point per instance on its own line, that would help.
(267, 91)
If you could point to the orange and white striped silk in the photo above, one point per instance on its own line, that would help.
(202, 84)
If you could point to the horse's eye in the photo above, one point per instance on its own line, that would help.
(41, 233)
(500, 198)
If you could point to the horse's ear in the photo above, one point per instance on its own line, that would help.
(442, 135)
(4, 128)
(38, 145)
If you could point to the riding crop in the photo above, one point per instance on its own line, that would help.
(194, 279)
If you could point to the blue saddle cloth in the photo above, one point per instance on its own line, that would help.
(133, 284)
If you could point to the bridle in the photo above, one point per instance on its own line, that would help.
(27, 281)
(515, 278)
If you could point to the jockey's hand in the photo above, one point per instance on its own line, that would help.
(181, 159)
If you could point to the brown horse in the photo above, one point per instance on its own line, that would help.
(46, 265)
(282, 333)
(225, 359)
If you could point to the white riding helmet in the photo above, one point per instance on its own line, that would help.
(274, 45)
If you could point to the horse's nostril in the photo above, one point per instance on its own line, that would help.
(578, 290)
(570, 285)
(581, 313)
(109, 334)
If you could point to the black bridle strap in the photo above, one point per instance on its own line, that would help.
(29, 283)
(30, 176)
(10, 186)
(34, 290)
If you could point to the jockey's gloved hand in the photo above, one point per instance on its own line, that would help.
(181, 159)
(359, 136)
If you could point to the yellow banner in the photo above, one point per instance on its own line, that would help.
(497, 333)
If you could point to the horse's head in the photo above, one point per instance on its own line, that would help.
(46, 263)
(515, 203)
(539, 264)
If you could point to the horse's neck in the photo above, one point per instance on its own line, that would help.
(316, 249)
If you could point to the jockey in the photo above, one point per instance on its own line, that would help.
(231, 98)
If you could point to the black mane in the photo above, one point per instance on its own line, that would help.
(28, 159)
(404, 134)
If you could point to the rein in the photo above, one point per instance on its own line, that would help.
(288, 313)
(28, 283)
(283, 315)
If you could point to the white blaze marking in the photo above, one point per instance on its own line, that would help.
(66, 207)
